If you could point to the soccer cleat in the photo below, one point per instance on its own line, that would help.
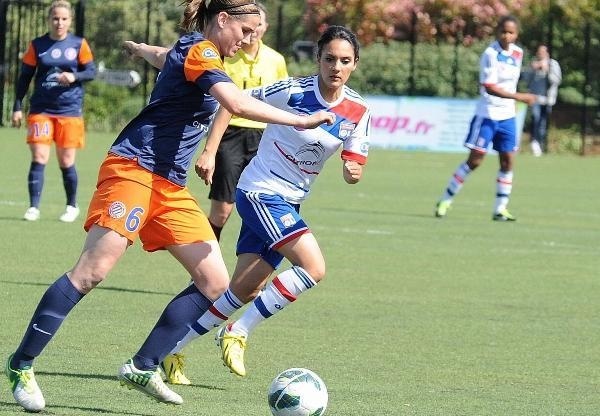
(503, 215)
(536, 149)
(232, 350)
(442, 207)
(32, 214)
(24, 388)
(148, 382)
(71, 213)
(172, 368)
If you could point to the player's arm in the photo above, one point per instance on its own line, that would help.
(205, 165)
(27, 72)
(237, 102)
(523, 97)
(154, 55)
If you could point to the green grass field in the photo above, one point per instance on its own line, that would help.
(417, 315)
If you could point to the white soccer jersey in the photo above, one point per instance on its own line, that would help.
(501, 68)
(289, 159)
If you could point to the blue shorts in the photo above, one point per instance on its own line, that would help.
(501, 133)
(268, 222)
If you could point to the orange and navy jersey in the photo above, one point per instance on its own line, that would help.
(164, 136)
(46, 58)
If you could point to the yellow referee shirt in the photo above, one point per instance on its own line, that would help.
(268, 67)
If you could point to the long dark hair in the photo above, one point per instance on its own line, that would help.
(337, 32)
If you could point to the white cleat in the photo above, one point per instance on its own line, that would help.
(25, 389)
(148, 382)
(32, 214)
(71, 213)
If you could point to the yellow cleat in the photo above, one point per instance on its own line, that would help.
(442, 207)
(172, 368)
(232, 350)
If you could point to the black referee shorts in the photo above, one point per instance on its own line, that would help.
(238, 146)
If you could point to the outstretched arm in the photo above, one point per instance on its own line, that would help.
(237, 102)
(155, 55)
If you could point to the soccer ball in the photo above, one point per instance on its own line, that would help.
(297, 392)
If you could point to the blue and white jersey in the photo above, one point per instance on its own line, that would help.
(289, 159)
(501, 68)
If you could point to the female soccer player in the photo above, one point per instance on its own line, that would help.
(141, 191)
(61, 62)
(494, 120)
(273, 186)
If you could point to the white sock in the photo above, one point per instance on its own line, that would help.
(283, 290)
(456, 182)
(218, 313)
(504, 182)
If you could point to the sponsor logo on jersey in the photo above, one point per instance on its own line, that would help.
(209, 53)
(55, 53)
(117, 210)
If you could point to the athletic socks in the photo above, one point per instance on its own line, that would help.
(456, 182)
(503, 189)
(50, 313)
(177, 319)
(278, 294)
(69, 176)
(35, 183)
(218, 313)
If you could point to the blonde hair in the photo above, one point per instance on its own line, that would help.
(198, 13)
(58, 4)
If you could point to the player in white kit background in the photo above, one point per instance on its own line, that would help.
(495, 118)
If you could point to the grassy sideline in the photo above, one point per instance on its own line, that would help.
(417, 316)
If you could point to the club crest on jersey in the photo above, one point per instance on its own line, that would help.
(71, 54)
(346, 129)
(288, 220)
(209, 53)
(117, 210)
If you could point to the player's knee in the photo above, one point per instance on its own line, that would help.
(316, 271)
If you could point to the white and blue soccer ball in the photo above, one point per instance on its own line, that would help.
(297, 392)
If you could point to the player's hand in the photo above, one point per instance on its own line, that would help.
(131, 49)
(66, 78)
(205, 167)
(352, 171)
(318, 118)
(17, 116)
(526, 98)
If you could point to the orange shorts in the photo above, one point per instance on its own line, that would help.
(134, 201)
(67, 132)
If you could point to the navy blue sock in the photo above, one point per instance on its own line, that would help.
(35, 183)
(179, 315)
(52, 310)
(69, 176)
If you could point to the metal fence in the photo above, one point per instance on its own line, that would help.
(22, 20)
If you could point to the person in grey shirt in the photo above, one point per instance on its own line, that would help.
(542, 79)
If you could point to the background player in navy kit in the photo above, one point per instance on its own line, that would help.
(61, 63)
(494, 120)
(141, 192)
